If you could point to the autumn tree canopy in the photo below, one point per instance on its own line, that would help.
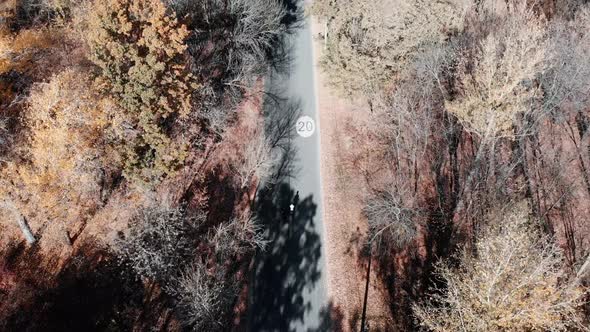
(369, 44)
(513, 280)
(139, 50)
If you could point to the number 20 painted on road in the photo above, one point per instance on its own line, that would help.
(305, 126)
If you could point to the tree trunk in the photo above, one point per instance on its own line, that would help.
(486, 139)
(582, 124)
(583, 272)
(20, 220)
(474, 170)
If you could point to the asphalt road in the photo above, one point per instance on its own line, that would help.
(289, 283)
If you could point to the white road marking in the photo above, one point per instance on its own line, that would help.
(305, 126)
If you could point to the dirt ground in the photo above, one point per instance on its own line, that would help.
(344, 191)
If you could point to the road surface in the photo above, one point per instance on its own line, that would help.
(289, 283)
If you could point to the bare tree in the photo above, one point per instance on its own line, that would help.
(584, 269)
(192, 267)
(236, 237)
(204, 297)
(257, 37)
(513, 281)
(566, 85)
(498, 83)
(369, 44)
(205, 289)
(405, 123)
(498, 95)
(392, 222)
(257, 161)
(567, 9)
(405, 120)
(6, 138)
(160, 241)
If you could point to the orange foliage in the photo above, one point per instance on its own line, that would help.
(17, 52)
(7, 8)
(62, 178)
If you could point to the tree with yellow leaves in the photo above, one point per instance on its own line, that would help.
(499, 82)
(514, 280)
(61, 178)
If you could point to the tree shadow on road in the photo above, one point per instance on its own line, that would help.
(289, 265)
(331, 319)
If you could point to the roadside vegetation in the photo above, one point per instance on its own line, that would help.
(135, 136)
(475, 157)
(132, 144)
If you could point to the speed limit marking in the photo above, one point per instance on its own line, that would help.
(305, 126)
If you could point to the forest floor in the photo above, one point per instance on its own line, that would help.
(344, 190)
